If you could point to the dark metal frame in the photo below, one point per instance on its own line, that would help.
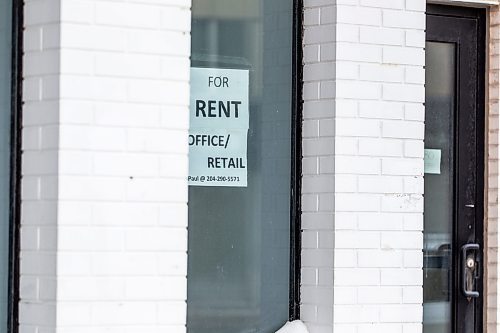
(15, 164)
(296, 162)
(467, 172)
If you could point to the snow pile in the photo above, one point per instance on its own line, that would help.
(295, 326)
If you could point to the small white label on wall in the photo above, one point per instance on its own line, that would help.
(219, 114)
(432, 161)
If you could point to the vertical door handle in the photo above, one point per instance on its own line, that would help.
(470, 269)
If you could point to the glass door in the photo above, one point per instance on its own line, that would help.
(454, 167)
(439, 185)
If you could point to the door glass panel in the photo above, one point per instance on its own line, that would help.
(438, 183)
(239, 237)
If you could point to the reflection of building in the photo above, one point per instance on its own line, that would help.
(337, 220)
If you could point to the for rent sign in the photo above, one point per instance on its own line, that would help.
(219, 127)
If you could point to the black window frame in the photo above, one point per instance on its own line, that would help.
(296, 161)
(15, 165)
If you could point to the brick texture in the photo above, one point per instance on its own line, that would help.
(318, 166)
(492, 125)
(104, 239)
(378, 219)
(38, 287)
(364, 128)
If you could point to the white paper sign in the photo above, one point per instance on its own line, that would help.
(432, 161)
(219, 127)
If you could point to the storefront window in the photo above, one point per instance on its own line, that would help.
(240, 166)
(5, 121)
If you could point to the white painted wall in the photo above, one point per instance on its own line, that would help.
(318, 146)
(104, 196)
(364, 94)
(491, 206)
(38, 295)
(379, 180)
(471, 3)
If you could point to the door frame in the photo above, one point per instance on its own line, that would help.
(480, 137)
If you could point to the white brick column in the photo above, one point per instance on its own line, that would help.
(318, 147)
(379, 178)
(364, 128)
(38, 289)
(104, 197)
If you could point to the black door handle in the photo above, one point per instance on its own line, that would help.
(469, 269)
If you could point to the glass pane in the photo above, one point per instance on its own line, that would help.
(239, 250)
(438, 182)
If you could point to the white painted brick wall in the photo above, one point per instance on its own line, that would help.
(364, 86)
(318, 166)
(104, 211)
(386, 123)
(492, 125)
(37, 311)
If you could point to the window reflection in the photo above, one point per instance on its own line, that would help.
(238, 275)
